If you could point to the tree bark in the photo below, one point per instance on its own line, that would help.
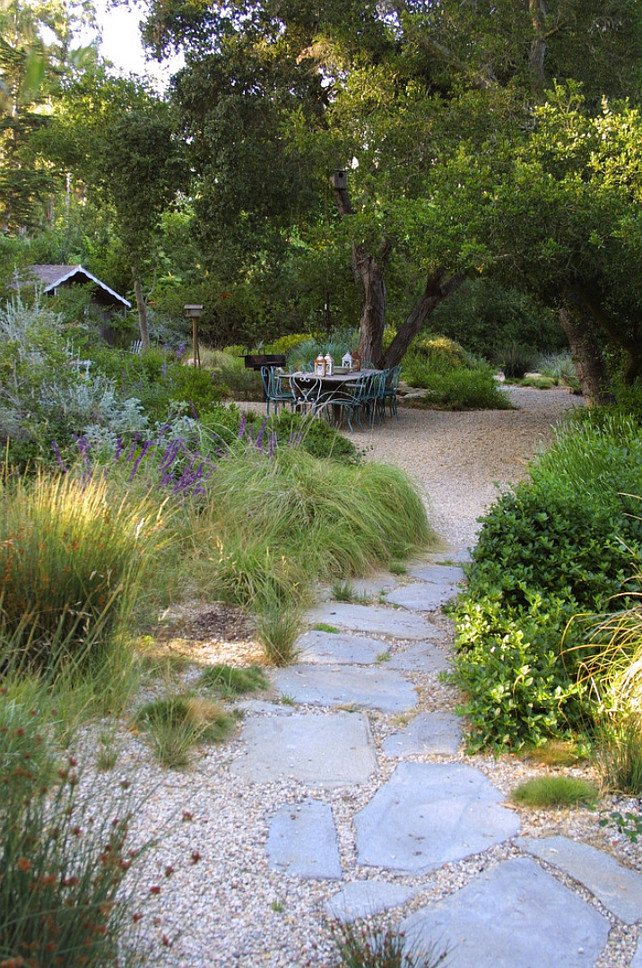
(537, 53)
(587, 355)
(438, 287)
(371, 272)
(142, 311)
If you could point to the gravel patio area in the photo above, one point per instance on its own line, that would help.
(458, 459)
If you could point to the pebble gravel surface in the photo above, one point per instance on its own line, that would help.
(206, 893)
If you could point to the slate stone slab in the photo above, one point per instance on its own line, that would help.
(427, 733)
(302, 840)
(324, 751)
(618, 888)
(363, 899)
(322, 685)
(514, 916)
(420, 657)
(335, 647)
(422, 596)
(428, 814)
(427, 571)
(373, 619)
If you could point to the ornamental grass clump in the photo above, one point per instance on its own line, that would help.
(72, 559)
(547, 792)
(277, 525)
(65, 891)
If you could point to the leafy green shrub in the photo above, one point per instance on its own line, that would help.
(517, 691)
(461, 390)
(313, 435)
(552, 546)
(555, 791)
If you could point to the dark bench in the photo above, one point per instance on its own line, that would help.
(254, 361)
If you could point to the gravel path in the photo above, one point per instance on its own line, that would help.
(457, 459)
(223, 906)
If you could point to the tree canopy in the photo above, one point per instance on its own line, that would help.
(404, 145)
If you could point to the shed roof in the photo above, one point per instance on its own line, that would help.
(53, 276)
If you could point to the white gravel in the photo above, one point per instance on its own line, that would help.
(222, 906)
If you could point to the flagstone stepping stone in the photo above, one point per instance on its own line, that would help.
(426, 571)
(421, 657)
(335, 647)
(322, 685)
(302, 840)
(363, 899)
(428, 814)
(513, 916)
(618, 888)
(325, 751)
(372, 619)
(427, 733)
(422, 596)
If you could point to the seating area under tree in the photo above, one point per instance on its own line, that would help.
(363, 397)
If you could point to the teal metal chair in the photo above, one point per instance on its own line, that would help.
(393, 375)
(274, 392)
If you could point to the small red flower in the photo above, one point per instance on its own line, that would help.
(195, 857)
(155, 889)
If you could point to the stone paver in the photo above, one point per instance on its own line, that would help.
(428, 814)
(373, 619)
(426, 571)
(420, 657)
(619, 889)
(302, 840)
(362, 899)
(338, 647)
(513, 916)
(322, 685)
(322, 750)
(427, 733)
(422, 596)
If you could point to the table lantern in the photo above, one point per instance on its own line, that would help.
(346, 361)
(319, 366)
(329, 365)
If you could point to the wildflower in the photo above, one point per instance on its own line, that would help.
(195, 857)
(61, 463)
(23, 864)
(155, 889)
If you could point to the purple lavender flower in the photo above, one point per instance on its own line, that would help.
(136, 463)
(56, 451)
(181, 350)
(260, 435)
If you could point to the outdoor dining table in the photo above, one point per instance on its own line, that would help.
(316, 393)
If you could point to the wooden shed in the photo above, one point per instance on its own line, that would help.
(51, 278)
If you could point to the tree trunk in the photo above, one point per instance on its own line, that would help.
(537, 53)
(587, 356)
(436, 290)
(142, 311)
(373, 312)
